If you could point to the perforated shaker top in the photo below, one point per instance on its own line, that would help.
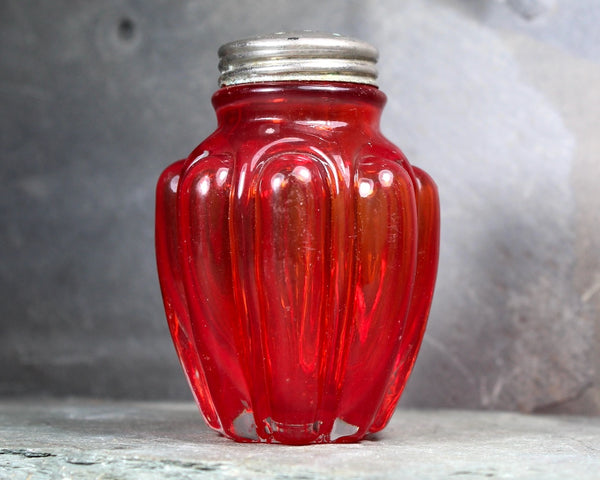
(300, 56)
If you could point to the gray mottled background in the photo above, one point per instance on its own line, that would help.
(498, 100)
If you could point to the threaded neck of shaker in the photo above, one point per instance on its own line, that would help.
(297, 56)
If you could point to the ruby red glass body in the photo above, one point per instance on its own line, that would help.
(297, 252)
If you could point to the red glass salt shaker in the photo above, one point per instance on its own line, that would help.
(297, 248)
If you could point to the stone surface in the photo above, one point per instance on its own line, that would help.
(498, 100)
(78, 439)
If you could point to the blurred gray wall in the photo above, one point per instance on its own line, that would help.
(499, 101)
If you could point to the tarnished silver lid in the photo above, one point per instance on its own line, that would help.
(302, 55)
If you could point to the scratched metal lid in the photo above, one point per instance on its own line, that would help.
(299, 56)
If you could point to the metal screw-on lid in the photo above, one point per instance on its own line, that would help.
(297, 56)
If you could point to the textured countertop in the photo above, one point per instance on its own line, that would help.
(52, 439)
